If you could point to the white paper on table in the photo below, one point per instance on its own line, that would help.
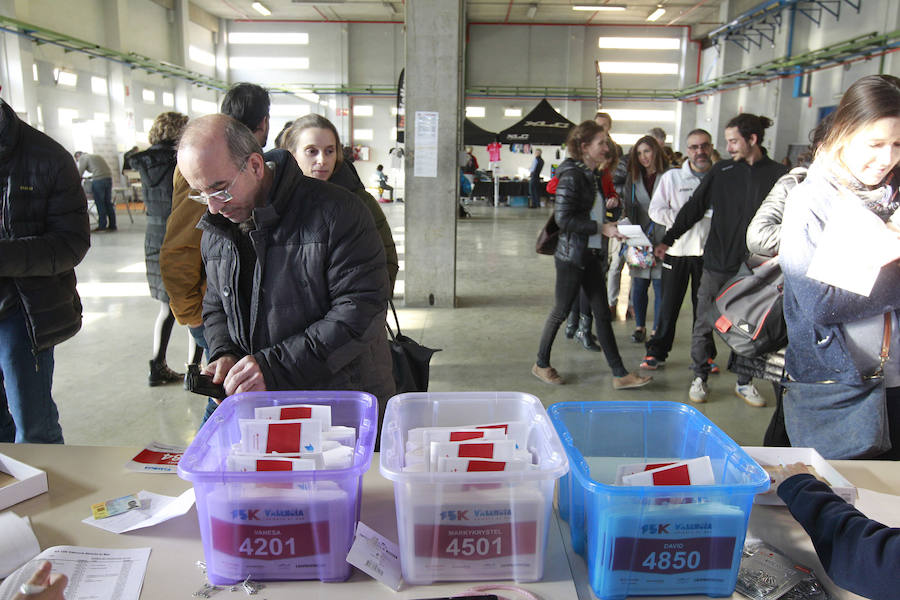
(92, 572)
(635, 235)
(856, 271)
(17, 542)
(156, 508)
(879, 506)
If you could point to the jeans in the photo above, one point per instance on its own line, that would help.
(534, 192)
(702, 336)
(197, 334)
(640, 298)
(614, 276)
(27, 411)
(677, 271)
(569, 279)
(102, 191)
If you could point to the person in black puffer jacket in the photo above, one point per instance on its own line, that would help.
(580, 257)
(156, 166)
(44, 233)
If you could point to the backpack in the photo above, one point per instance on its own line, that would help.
(748, 312)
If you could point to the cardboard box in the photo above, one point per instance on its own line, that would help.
(30, 482)
(770, 456)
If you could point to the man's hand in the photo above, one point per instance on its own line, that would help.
(612, 202)
(245, 376)
(611, 230)
(660, 251)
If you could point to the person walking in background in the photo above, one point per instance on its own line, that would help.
(313, 141)
(156, 166)
(580, 256)
(101, 188)
(683, 262)
(44, 233)
(180, 262)
(383, 185)
(733, 189)
(645, 166)
(534, 181)
(835, 336)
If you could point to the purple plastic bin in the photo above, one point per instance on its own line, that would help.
(278, 525)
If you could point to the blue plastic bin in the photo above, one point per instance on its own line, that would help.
(278, 525)
(646, 540)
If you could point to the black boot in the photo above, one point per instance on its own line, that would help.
(571, 324)
(161, 374)
(584, 334)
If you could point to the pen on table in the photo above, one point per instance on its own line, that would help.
(30, 589)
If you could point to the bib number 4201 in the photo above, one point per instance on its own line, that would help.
(672, 561)
(267, 546)
(474, 547)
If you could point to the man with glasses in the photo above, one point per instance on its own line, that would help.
(297, 284)
(683, 262)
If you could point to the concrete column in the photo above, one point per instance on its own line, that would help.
(434, 75)
(17, 59)
(180, 17)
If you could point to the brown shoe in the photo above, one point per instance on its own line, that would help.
(630, 381)
(546, 374)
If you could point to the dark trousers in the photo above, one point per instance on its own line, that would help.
(534, 191)
(776, 432)
(677, 272)
(569, 280)
(703, 347)
(892, 398)
(106, 211)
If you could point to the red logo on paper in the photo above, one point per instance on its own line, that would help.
(476, 466)
(296, 412)
(270, 542)
(273, 465)
(474, 542)
(149, 457)
(476, 451)
(461, 436)
(679, 475)
(283, 437)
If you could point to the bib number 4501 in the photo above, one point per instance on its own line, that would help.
(474, 547)
(674, 561)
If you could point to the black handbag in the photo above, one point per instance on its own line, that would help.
(548, 237)
(838, 419)
(411, 360)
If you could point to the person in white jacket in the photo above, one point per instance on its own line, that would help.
(683, 262)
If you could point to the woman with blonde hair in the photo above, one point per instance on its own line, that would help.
(156, 166)
(843, 354)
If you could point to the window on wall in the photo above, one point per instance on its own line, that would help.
(363, 135)
(147, 123)
(641, 114)
(273, 63)
(639, 43)
(512, 112)
(148, 96)
(283, 38)
(288, 110)
(638, 68)
(475, 112)
(628, 139)
(168, 99)
(394, 111)
(98, 86)
(34, 71)
(101, 117)
(201, 56)
(203, 107)
(66, 116)
(363, 110)
(67, 78)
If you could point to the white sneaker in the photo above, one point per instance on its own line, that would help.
(699, 391)
(749, 394)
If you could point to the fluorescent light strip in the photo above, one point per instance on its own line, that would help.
(638, 68)
(600, 7)
(271, 63)
(261, 9)
(656, 14)
(276, 38)
(639, 43)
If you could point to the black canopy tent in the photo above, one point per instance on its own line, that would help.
(473, 135)
(543, 126)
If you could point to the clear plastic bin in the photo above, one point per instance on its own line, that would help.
(646, 540)
(280, 525)
(471, 526)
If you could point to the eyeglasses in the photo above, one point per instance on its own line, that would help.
(703, 146)
(222, 196)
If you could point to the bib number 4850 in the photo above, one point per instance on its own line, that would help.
(474, 546)
(675, 561)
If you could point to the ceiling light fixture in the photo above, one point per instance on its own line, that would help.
(531, 11)
(656, 14)
(261, 9)
(601, 7)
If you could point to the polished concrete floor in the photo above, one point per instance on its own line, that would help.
(489, 341)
